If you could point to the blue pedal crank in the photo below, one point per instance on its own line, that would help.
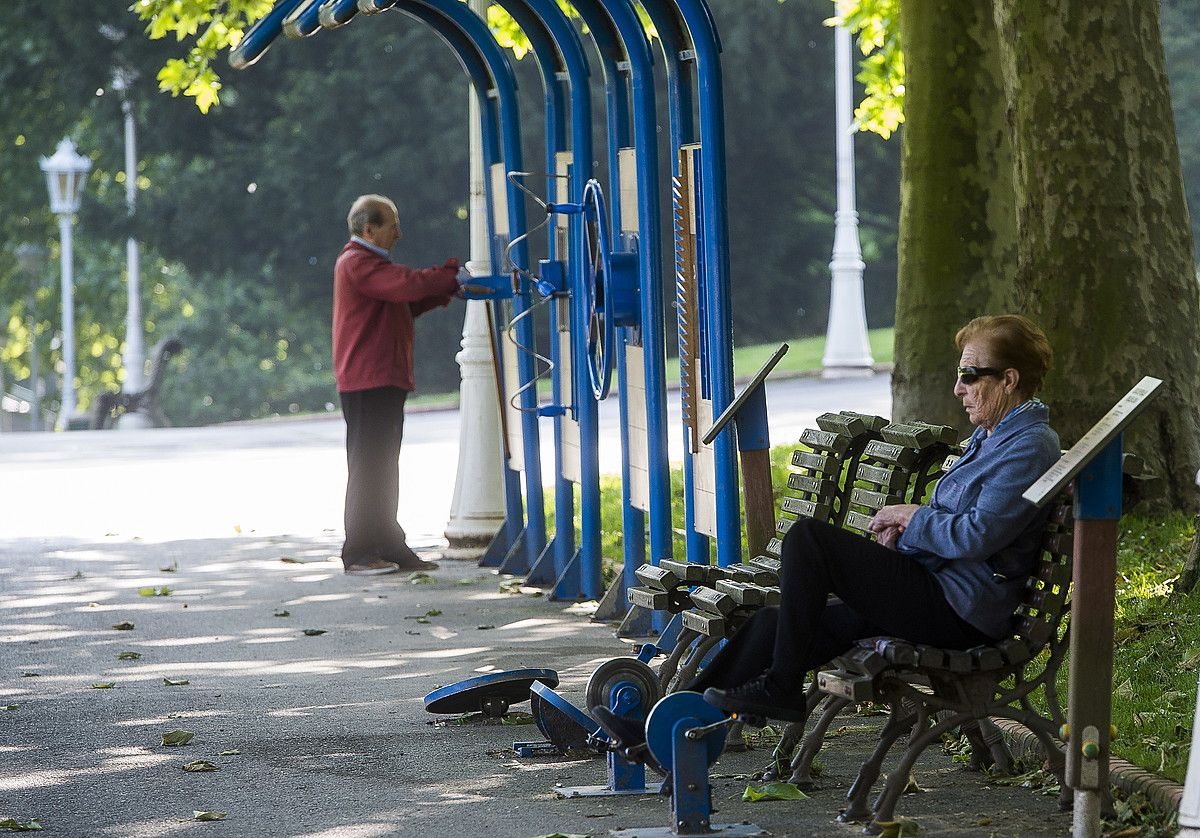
(688, 734)
(489, 694)
(628, 687)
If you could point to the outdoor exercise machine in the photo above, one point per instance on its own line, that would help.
(629, 688)
(605, 288)
(487, 66)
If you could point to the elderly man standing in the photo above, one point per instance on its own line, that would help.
(374, 304)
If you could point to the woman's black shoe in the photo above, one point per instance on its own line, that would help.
(756, 699)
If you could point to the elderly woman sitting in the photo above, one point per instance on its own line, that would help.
(947, 574)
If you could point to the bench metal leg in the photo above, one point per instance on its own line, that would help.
(802, 762)
(782, 755)
(666, 673)
(899, 721)
(885, 805)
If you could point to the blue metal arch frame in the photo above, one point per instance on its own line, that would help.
(574, 574)
(485, 63)
(629, 79)
(691, 46)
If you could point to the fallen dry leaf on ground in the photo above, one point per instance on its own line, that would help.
(200, 765)
(209, 816)
(123, 626)
(175, 738)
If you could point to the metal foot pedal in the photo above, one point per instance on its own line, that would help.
(490, 694)
(628, 687)
(565, 726)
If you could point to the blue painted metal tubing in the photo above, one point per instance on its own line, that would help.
(612, 53)
(304, 20)
(259, 37)
(653, 312)
(476, 31)
(692, 20)
(1098, 486)
(548, 58)
(578, 574)
(536, 15)
(706, 42)
(335, 13)
(631, 37)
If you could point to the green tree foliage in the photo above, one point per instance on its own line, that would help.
(876, 23)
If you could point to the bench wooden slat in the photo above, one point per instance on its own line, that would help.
(821, 463)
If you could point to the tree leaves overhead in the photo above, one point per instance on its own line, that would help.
(881, 71)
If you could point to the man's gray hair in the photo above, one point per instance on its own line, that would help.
(368, 209)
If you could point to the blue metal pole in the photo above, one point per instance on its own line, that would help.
(476, 30)
(718, 289)
(549, 63)
(639, 58)
(578, 573)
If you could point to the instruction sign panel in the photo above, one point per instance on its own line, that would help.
(1093, 442)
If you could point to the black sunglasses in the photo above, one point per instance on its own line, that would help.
(969, 375)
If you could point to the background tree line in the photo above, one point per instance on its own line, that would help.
(241, 210)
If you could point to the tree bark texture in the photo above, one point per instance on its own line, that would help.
(958, 227)
(1104, 255)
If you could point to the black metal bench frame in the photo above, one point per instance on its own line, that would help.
(854, 465)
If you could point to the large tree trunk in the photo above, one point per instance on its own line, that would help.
(957, 250)
(1105, 247)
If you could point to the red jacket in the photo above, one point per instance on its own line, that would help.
(374, 303)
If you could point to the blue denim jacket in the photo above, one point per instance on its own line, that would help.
(977, 535)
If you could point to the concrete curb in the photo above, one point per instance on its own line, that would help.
(1163, 794)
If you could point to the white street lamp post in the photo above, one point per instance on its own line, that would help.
(477, 509)
(32, 259)
(65, 172)
(847, 349)
(135, 352)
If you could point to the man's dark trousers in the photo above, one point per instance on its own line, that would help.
(374, 427)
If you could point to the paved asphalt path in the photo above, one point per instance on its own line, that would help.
(330, 733)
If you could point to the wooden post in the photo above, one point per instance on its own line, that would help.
(1094, 463)
(1089, 713)
(759, 497)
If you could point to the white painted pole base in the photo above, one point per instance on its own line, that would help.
(1189, 807)
(477, 510)
(1086, 823)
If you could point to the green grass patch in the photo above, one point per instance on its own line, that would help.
(1156, 646)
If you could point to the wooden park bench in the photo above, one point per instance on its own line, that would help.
(848, 468)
